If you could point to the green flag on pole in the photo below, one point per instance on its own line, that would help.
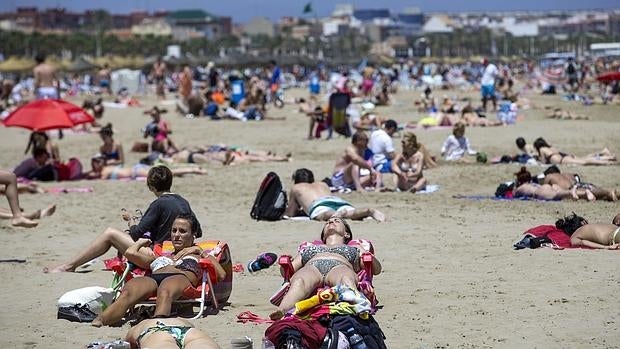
(308, 8)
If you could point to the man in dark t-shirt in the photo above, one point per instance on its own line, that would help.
(155, 224)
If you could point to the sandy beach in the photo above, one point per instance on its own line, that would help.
(451, 278)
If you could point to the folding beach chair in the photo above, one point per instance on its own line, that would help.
(337, 119)
(365, 274)
(209, 294)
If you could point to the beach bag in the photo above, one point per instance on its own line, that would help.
(357, 329)
(96, 298)
(271, 199)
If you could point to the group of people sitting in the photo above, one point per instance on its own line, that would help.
(170, 217)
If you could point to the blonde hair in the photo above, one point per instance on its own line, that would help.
(410, 143)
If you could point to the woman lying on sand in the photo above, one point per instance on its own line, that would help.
(166, 333)
(334, 263)
(524, 187)
(101, 171)
(549, 155)
(223, 154)
(170, 275)
(596, 235)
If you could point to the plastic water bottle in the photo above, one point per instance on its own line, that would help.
(267, 344)
(355, 340)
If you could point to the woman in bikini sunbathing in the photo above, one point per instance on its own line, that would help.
(334, 263)
(167, 333)
(408, 165)
(101, 171)
(593, 235)
(549, 155)
(524, 187)
(169, 277)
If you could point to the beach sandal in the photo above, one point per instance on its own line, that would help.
(248, 316)
(263, 261)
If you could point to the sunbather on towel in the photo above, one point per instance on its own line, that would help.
(568, 181)
(334, 263)
(593, 235)
(169, 277)
(101, 171)
(315, 199)
(167, 333)
(524, 187)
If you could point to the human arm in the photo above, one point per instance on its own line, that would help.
(148, 222)
(578, 241)
(219, 271)
(121, 156)
(293, 207)
(470, 151)
(139, 254)
(396, 167)
(419, 164)
(357, 159)
(132, 335)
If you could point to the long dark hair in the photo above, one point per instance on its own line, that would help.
(540, 143)
(570, 223)
(33, 143)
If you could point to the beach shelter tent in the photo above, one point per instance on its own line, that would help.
(126, 78)
(81, 64)
(14, 64)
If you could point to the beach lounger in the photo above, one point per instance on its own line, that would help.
(209, 294)
(365, 274)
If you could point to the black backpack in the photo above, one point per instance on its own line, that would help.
(354, 326)
(271, 200)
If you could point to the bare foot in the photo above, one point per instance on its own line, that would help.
(573, 193)
(377, 215)
(277, 315)
(413, 190)
(97, 322)
(614, 195)
(48, 211)
(23, 222)
(590, 196)
(59, 269)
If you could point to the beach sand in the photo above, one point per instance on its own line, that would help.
(451, 278)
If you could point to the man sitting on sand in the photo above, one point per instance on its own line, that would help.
(315, 200)
(157, 221)
(347, 170)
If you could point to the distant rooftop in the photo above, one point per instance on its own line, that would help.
(190, 14)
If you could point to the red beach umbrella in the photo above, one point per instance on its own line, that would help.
(47, 114)
(609, 76)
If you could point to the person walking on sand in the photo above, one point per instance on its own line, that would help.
(157, 221)
(316, 201)
(18, 219)
(487, 83)
(45, 81)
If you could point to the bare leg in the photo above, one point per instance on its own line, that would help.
(420, 184)
(605, 194)
(134, 291)
(102, 243)
(352, 175)
(361, 213)
(303, 282)
(187, 170)
(10, 181)
(168, 291)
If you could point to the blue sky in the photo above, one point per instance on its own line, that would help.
(243, 10)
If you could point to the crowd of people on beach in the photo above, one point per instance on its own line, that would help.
(342, 102)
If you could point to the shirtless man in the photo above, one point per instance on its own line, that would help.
(105, 76)
(315, 199)
(567, 181)
(159, 75)
(44, 79)
(347, 170)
